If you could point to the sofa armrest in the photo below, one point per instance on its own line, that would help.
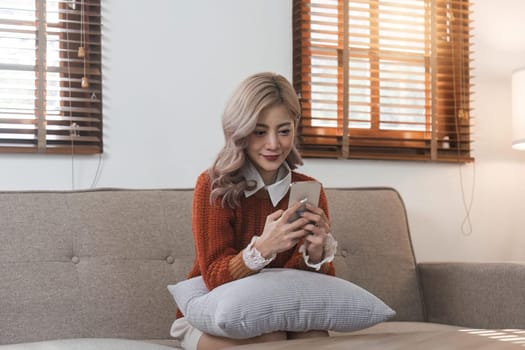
(477, 295)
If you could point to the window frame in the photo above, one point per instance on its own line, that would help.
(66, 114)
(448, 121)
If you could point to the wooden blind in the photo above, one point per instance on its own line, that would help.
(384, 79)
(50, 76)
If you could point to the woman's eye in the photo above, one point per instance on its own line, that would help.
(259, 132)
(284, 132)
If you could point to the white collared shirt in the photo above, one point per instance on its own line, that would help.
(277, 190)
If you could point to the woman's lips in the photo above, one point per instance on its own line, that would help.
(271, 158)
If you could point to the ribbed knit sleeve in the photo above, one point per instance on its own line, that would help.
(218, 259)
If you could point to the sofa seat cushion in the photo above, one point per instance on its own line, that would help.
(402, 335)
(88, 344)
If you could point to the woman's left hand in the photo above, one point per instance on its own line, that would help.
(319, 226)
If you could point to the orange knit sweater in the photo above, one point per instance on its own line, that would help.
(221, 234)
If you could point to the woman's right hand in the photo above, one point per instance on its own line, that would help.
(279, 234)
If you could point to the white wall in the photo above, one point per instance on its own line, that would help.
(173, 64)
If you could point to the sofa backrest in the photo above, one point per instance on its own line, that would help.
(374, 247)
(91, 263)
(96, 263)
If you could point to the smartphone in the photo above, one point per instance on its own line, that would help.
(303, 191)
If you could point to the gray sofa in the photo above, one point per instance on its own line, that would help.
(90, 269)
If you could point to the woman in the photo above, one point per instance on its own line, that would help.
(241, 220)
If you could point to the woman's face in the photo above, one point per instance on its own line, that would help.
(271, 142)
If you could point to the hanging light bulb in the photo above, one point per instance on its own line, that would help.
(84, 83)
(81, 50)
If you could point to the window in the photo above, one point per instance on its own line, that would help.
(383, 79)
(50, 76)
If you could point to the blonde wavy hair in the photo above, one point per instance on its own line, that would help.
(252, 96)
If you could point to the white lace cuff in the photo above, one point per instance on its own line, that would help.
(330, 247)
(253, 258)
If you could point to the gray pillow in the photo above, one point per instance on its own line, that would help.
(278, 300)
